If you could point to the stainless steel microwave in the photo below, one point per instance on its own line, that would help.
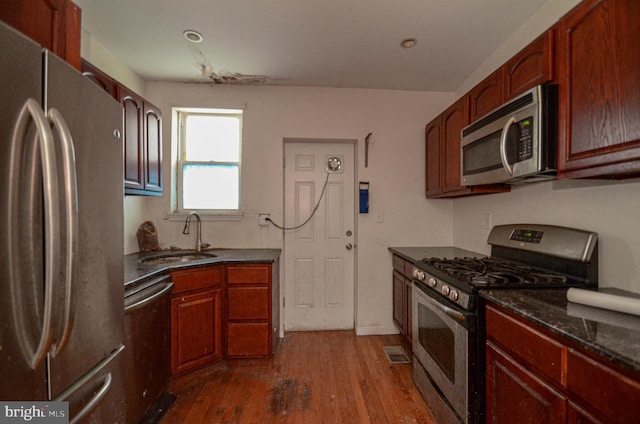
(513, 144)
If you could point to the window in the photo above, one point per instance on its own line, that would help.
(208, 163)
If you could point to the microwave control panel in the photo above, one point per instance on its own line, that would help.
(524, 130)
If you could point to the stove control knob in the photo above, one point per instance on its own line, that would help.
(445, 290)
(453, 295)
(419, 275)
(433, 282)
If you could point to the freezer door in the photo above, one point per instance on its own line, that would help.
(94, 120)
(21, 271)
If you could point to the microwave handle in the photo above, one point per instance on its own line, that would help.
(503, 146)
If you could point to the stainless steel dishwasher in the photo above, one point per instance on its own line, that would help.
(147, 343)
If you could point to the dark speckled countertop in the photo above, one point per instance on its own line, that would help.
(613, 335)
(135, 272)
(415, 254)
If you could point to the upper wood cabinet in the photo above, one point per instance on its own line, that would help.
(442, 139)
(54, 24)
(142, 150)
(107, 83)
(599, 90)
(152, 149)
(133, 109)
(486, 96)
(531, 66)
(142, 144)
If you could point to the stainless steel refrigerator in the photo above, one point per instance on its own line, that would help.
(61, 235)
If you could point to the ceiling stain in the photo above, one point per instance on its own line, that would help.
(208, 74)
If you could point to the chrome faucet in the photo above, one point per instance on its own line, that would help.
(199, 244)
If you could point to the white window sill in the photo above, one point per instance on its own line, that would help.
(222, 216)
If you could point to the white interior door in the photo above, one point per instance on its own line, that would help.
(319, 256)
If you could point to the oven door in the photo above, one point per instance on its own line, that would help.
(441, 343)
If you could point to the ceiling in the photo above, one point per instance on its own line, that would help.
(329, 43)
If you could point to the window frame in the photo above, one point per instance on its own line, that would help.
(181, 115)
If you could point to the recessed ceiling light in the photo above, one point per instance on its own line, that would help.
(407, 43)
(193, 36)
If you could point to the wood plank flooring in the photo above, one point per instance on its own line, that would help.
(315, 377)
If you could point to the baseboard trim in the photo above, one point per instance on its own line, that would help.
(376, 331)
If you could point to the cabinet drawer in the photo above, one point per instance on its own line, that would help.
(247, 339)
(403, 266)
(533, 348)
(248, 274)
(196, 279)
(398, 264)
(599, 388)
(248, 303)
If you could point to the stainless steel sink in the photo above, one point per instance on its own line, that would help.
(172, 257)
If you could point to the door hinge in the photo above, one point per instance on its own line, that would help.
(283, 301)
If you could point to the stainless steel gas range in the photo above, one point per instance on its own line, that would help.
(448, 329)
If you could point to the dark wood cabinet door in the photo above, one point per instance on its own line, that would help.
(196, 329)
(599, 89)
(54, 24)
(398, 302)
(133, 108)
(433, 143)
(516, 396)
(152, 148)
(532, 66)
(408, 288)
(248, 339)
(453, 120)
(576, 415)
(486, 96)
(103, 80)
(615, 397)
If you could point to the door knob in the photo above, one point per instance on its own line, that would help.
(349, 246)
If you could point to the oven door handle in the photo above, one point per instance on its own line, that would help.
(447, 310)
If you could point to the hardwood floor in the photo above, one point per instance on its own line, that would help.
(315, 377)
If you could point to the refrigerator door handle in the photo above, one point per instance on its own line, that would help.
(94, 400)
(86, 379)
(32, 112)
(70, 184)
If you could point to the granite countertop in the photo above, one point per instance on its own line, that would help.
(415, 254)
(612, 335)
(135, 272)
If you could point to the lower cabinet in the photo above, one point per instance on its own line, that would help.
(223, 311)
(196, 318)
(402, 296)
(510, 384)
(248, 321)
(534, 376)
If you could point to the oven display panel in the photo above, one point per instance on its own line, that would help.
(527, 236)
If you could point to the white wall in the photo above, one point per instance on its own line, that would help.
(396, 173)
(608, 208)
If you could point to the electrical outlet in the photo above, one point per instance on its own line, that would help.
(262, 219)
(486, 221)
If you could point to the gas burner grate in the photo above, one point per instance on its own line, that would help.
(494, 272)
